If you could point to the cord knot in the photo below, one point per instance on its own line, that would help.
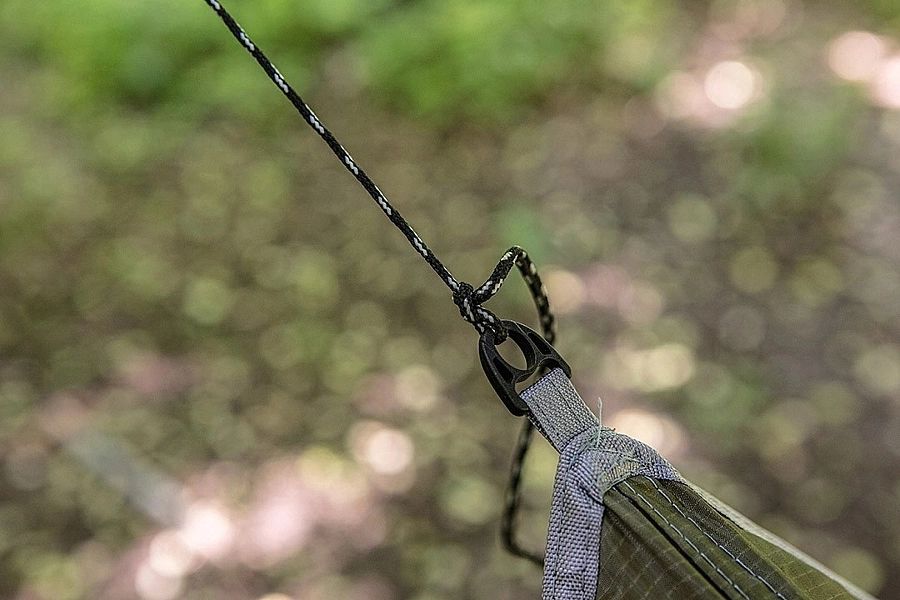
(470, 309)
(464, 300)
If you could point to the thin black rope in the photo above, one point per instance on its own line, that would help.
(513, 499)
(466, 297)
(509, 521)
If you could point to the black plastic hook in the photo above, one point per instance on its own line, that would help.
(538, 352)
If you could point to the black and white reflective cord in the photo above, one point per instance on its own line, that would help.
(466, 297)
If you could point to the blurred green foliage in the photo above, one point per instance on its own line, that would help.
(222, 374)
(439, 60)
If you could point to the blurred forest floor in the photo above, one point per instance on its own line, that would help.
(224, 375)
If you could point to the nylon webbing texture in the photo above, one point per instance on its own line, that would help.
(557, 410)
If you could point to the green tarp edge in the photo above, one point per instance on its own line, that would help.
(662, 539)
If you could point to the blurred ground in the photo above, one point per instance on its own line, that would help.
(224, 375)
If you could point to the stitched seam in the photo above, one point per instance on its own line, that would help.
(713, 540)
(689, 542)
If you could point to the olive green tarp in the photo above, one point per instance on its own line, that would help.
(660, 539)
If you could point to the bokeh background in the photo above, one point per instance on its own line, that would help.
(223, 374)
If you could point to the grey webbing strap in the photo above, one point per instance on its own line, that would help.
(557, 410)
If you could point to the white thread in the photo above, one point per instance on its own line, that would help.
(314, 121)
(279, 81)
(246, 41)
(382, 202)
(490, 289)
(467, 306)
(723, 548)
(215, 4)
(689, 542)
(350, 164)
(417, 243)
(486, 315)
